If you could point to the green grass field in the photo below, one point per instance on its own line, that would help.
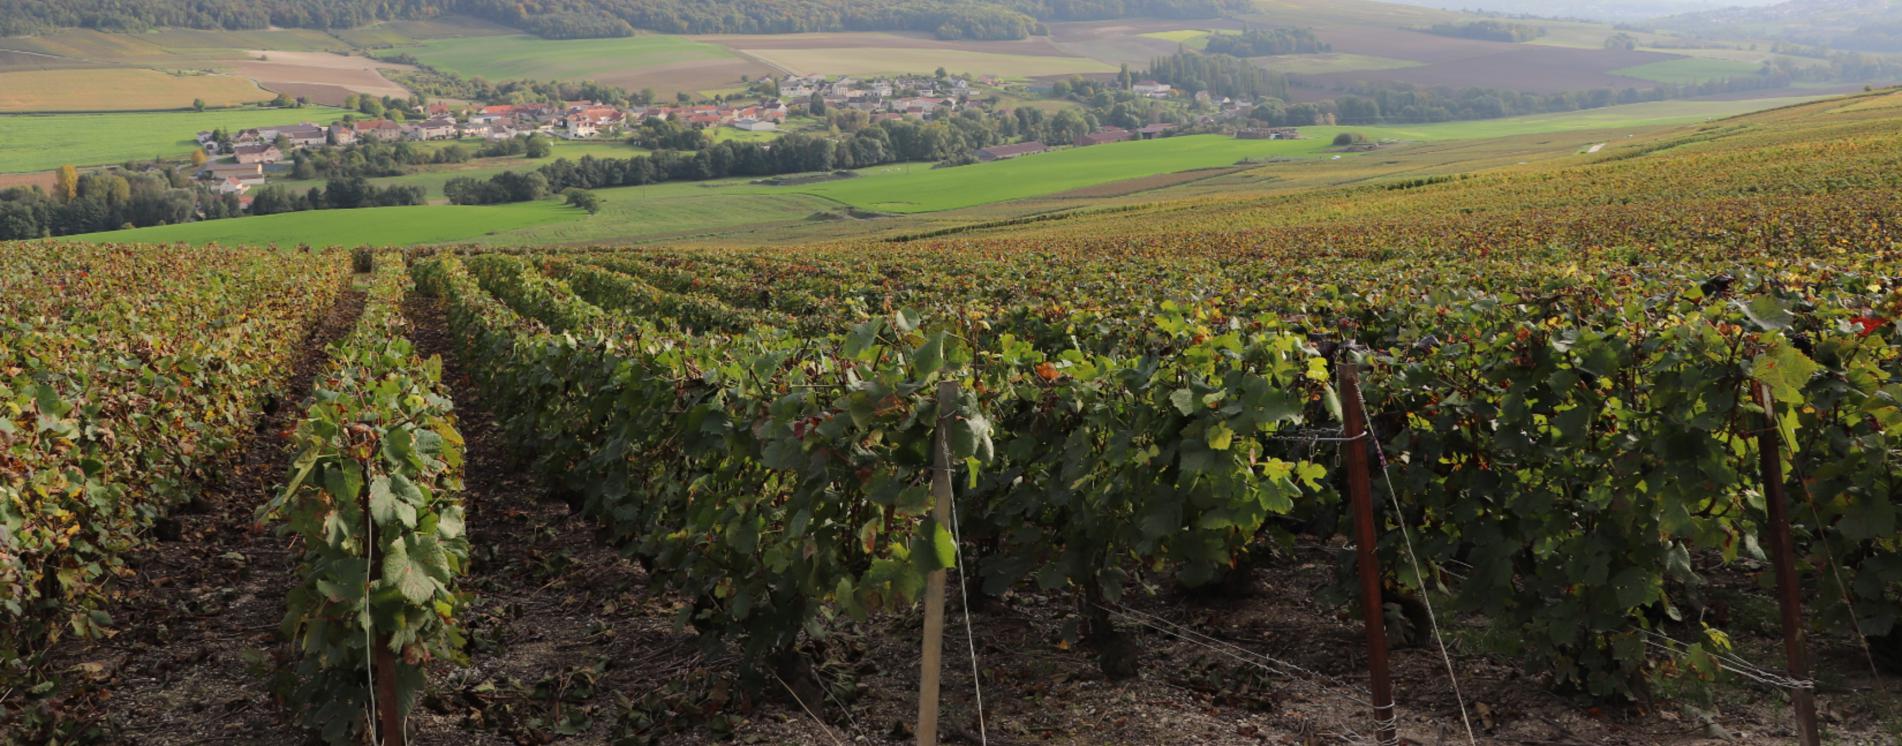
(729, 134)
(923, 60)
(402, 33)
(1197, 39)
(683, 210)
(121, 89)
(378, 226)
(917, 187)
(34, 142)
(1691, 70)
(520, 56)
(1179, 36)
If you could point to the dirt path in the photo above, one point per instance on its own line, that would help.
(561, 627)
(198, 623)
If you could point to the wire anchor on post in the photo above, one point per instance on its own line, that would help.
(1789, 598)
(1360, 492)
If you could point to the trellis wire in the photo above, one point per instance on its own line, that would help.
(809, 713)
(1257, 659)
(1836, 573)
(1321, 683)
(1426, 596)
(970, 638)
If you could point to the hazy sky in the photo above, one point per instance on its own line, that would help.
(1610, 9)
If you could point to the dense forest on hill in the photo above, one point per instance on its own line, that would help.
(978, 19)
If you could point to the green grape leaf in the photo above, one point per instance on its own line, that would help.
(1767, 313)
(1785, 370)
(409, 575)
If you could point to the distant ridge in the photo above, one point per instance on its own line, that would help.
(1849, 25)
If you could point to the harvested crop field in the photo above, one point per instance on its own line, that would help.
(1406, 44)
(46, 180)
(1132, 42)
(322, 77)
(1521, 67)
(12, 60)
(122, 89)
(81, 46)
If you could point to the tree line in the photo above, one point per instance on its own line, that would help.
(1218, 74)
(1488, 31)
(1257, 42)
(372, 159)
(347, 193)
(110, 201)
(93, 202)
(950, 139)
(567, 19)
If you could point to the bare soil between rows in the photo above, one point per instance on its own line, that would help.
(571, 642)
(198, 622)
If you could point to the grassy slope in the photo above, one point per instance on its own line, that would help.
(380, 226)
(887, 60)
(917, 187)
(637, 214)
(520, 56)
(1631, 116)
(30, 142)
(908, 188)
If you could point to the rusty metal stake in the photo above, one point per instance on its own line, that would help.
(1789, 599)
(1360, 491)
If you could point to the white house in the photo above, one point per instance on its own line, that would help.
(581, 127)
(1150, 88)
(435, 129)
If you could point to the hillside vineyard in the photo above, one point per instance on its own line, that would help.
(1568, 373)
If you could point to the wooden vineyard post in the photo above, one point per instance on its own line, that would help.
(389, 707)
(1789, 600)
(1360, 492)
(932, 665)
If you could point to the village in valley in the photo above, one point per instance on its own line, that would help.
(235, 163)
